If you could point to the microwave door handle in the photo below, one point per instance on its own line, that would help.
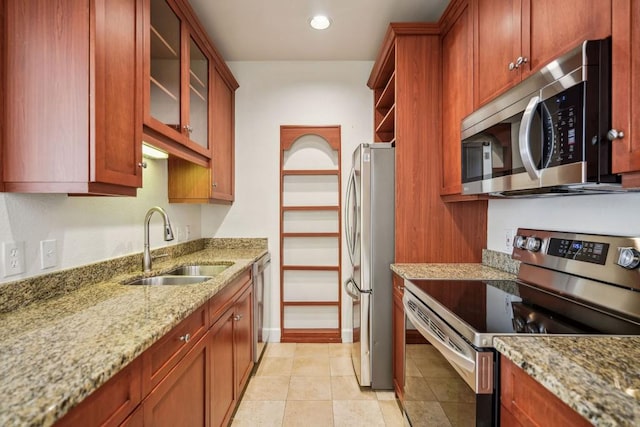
(523, 138)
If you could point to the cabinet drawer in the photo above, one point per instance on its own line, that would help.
(167, 352)
(110, 404)
(227, 296)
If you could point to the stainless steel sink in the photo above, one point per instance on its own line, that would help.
(170, 280)
(200, 270)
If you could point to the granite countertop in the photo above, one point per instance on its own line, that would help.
(55, 352)
(452, 271)
(599, 377)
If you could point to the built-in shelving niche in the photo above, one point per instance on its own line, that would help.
(310, 234)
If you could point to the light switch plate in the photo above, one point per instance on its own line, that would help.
(48, 253)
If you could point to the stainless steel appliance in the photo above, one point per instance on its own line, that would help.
(548, 134)
(369, 229)
(568, 283)
(262, 289)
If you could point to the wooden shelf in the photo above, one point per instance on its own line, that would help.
(388, 97)
(172, 52)
(198, 94)
(388, 122)
(198, 80)
(311, 208)
(164, 89)
(285, 235)
(311, 268)
(310, 172)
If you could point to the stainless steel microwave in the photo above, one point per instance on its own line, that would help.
(548, 134)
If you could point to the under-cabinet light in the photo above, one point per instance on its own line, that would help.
(320, 22)
(153, 153)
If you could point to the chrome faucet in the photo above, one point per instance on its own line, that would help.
(168, 235)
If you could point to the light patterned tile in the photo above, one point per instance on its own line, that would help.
(426, 414)
(341, 366)
(312, 350)
(275, 366)
(311, 367)
(386, 395)
(340, 350)
(267, 388)
(277, 349)
(347, 388)
(309, 388)
(259, 413)
(352, 413)
(308, 413)
(392, 413)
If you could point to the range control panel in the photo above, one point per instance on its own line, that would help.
(612, 259)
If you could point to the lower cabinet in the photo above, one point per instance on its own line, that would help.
(193, 376)
(398, 337)
(180, 399)
(525, 402)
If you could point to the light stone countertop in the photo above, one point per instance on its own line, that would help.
(599, 377)
(452, 271)
(55, 352)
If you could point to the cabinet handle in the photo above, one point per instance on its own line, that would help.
(237, 317)
(185, 338)
(142, 165)
(519, 61)
(614, 134)
(188, 128)
(400, 288)
(512, 66)
(215, 185)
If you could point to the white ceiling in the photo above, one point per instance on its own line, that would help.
(275, 30)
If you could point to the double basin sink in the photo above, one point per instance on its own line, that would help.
(185, 275)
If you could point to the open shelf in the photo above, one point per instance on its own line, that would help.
(388, 96)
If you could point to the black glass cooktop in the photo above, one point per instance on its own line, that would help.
(508, 307)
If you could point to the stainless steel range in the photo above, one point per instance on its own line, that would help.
(568, 283)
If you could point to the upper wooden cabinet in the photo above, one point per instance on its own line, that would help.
(514, 38)
(457, 89)
(72, 121)
(192, 183)
(626, 91)
(180, 69)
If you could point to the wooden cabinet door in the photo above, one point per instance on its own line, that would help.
(111, 403)
(222, 163)
(398, 336)
(457, 100)
(626, 89)
(528, 403)
(223, 394)
(182, 398)
(497, 44)
(551, 28)
(243, 338)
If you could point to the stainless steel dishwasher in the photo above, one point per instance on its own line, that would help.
(261, 312)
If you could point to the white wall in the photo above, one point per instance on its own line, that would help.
(615, 214)
(287, 93)
(90, 229)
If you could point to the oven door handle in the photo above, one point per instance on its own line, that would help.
(453, 356)
(523, 138)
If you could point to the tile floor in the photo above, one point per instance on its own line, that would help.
(312, 385)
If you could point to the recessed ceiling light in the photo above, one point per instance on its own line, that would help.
(320, 22)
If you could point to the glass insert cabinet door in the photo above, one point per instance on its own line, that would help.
(198, 127)
(165, 65)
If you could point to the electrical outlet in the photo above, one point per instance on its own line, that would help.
(509, 235)
(13, 258)
(187, 232)
(48, 253)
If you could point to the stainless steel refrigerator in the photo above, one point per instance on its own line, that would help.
(369, 227)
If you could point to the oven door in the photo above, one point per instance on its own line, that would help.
(447, 381)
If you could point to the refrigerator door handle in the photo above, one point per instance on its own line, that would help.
(351, 223)
(349, 283)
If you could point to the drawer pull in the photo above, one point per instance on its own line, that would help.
(237, 317)
(185, 338)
